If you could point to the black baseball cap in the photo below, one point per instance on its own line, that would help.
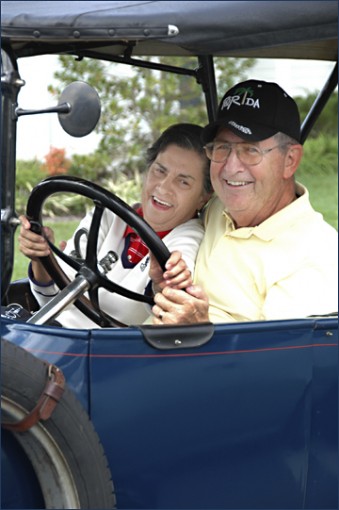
(256, 110)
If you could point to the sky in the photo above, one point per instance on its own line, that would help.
(37, 133)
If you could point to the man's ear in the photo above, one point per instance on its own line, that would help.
(292, 159)
(203, 202)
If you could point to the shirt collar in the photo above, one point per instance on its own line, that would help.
(278, 222)
(130, 230)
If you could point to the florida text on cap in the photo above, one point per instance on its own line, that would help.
(256, 110)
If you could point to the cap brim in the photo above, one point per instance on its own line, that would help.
(209, 131)
(258, 132)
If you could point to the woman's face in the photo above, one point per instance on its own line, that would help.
(173, 189)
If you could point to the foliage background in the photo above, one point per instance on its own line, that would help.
(137, 107)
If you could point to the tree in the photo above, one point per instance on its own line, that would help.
(29, 174)
(56, 162)
(327, 122)
(138, 105)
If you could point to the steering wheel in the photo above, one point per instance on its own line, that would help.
(88, 267)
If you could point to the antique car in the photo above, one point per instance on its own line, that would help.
(219, 416)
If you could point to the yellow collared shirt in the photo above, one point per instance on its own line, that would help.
(286, 267)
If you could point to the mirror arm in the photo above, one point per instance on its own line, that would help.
(60, 108)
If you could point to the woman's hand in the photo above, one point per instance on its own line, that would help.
(34, 246)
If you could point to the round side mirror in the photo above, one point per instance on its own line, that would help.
(84, 109)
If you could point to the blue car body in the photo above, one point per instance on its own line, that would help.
(246, 418)
(255, 407)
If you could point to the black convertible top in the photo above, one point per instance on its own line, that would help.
(275, 29)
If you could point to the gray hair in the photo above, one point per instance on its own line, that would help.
(285, 140)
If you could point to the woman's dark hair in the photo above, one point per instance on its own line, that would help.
(186, 136)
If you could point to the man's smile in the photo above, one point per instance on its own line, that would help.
(237, 183)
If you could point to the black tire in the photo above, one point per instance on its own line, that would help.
(65, 451)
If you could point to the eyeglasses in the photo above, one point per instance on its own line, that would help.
(247, 153)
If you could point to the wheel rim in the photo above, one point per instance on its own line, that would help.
(55, 479)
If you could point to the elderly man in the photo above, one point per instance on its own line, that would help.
(266, 253)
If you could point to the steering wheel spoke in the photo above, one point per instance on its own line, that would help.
(72, 262)
(93, 294)
(115, 287)
(92, 240)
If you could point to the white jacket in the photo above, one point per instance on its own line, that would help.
(186, 238)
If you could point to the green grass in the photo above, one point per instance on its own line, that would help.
(323, 195)
(63, 230)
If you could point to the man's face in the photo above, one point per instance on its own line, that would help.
(252, 193)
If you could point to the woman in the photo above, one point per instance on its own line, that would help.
(175, 190)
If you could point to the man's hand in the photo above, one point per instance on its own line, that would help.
(176, 276)
(175, 306)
